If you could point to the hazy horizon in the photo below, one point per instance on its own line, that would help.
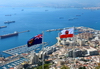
(49, 3)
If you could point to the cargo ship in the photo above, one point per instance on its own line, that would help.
(9, 35)
(7, 22)
(78, 15)
(7, 15)
(3, 27)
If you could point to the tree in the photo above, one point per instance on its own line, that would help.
(46, 66)
(65, 67)
(98, 67)
(82, 67)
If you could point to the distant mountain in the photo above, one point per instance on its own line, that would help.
(49, 3)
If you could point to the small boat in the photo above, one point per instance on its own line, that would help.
(75, 18)
(22, 9)
(61, 17)
(46, 10)
(7, 15)
(70, 19)
(78, 15)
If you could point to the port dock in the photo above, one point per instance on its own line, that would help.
(53, 30)
(24, 31)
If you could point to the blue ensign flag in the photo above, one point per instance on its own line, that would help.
(35, 40)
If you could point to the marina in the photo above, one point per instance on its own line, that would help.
(15, 62)
(21, 49)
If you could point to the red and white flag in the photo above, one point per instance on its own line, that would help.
(67, 33)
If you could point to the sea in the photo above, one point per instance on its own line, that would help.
(40, 19)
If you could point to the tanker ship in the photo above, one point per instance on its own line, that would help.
(7, 22)
(9, 35)
(3, 27)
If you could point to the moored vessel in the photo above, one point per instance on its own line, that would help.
(9, 35)
(7, 22)
(3, 27)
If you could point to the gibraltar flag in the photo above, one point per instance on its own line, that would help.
(67, 33)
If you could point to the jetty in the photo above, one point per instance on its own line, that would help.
(53, 30)
(50, 30)
(24, 31)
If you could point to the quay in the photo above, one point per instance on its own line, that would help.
(53, 30)
(50, 30)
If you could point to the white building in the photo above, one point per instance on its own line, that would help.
(34, 58)
(91, 51)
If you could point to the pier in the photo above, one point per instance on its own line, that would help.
(56, 29)
(53, 30)
(24, 31)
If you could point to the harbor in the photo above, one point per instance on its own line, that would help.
(32, 19)
(60, 52)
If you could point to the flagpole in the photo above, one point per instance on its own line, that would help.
(42, 50)
(74, 46)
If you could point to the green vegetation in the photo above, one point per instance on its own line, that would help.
(98, 67)
(82, 67)
(84, 60)
(46, 66)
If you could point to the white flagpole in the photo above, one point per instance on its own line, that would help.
(42, 50)
(74, 46)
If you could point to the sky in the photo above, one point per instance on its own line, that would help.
(29, 3)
